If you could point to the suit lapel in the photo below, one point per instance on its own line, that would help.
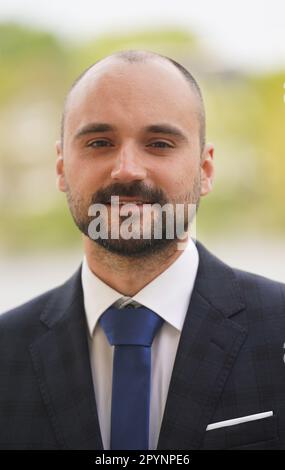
(62, 366)
(208, 346)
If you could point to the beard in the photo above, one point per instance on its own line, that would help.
(136, 246)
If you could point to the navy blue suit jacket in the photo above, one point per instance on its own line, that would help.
(229, 364)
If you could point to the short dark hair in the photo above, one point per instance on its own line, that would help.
(139, 56)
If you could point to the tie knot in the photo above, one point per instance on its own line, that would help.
(130, 326)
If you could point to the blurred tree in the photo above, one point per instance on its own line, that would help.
(31, 60)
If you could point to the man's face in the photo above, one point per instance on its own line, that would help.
(131, 130)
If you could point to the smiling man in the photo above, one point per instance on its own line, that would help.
(152, 343)
(128, 130)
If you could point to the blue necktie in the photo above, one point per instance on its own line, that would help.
(131, 330)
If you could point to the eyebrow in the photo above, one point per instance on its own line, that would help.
(167, 129)
(101, 127)
(93, 128)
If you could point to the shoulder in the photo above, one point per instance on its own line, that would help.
(26, 313)
(263, 297)
(254, 287)
(54, 299)
(261, 289)
(22, 325)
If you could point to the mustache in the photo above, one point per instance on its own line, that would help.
(134, 189)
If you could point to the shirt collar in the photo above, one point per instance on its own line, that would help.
(168, 294)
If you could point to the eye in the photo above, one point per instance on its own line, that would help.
(99, 143)
(160, 144)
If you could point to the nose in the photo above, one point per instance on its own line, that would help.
(128, 165)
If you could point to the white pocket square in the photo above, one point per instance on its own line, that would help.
(243, 419)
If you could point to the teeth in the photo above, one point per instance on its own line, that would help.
(132, 202)
(121, 203)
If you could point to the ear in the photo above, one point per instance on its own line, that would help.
(60, 180)
(207, 169)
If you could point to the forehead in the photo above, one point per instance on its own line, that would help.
(132, 94)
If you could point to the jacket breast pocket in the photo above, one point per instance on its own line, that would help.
(257, 434)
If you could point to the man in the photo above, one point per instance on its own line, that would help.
(148, 345)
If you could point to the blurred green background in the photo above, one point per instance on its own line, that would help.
(245, 120)
(242, 221)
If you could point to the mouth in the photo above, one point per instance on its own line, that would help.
(128, 200)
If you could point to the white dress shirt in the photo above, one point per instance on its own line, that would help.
(168, 295)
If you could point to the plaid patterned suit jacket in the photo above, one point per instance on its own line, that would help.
(229, 364)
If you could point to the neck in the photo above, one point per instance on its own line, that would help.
(128, 275)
